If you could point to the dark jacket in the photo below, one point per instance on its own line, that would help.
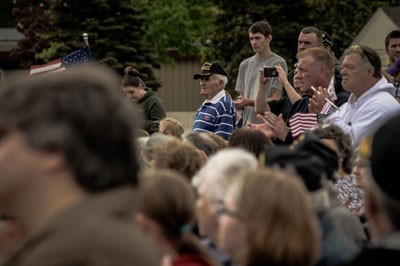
(98, 232)
(152, 110)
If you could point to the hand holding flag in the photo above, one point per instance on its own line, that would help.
(318, 101)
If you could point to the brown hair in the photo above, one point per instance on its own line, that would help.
(172, 127)
(179, 156)
(262, 27)
(131, 78)
(251, 140)
(321, 56)
(280, 222)
(168, 199)
(221, 142)
(100, 152)
(342, 141)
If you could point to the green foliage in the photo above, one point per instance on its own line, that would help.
(178, 25)
(229, 42)
(116, 30)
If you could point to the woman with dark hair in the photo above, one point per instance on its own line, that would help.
(166, 213)
(267, 219)
(150, 105)
(335, 138)
(251, 140)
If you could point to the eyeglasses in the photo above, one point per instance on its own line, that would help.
(358, 49)
(220, 209)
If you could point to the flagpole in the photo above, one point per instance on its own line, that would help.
(86, 38)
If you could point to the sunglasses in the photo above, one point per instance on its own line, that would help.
(358, 49)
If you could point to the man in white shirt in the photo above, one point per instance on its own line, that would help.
(370, 103)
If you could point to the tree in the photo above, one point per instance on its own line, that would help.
(116, 30)
(33, 21)
(178, 24)
(6, 19)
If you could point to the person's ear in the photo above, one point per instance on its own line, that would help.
(144, 222)
(146, 159)
(371, 71)
(269, 37)
(54, 161)
(221, 83)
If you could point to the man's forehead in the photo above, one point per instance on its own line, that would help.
(308, 36)
(257, 34)
(353, 57)
(394, 41)
(305, 61)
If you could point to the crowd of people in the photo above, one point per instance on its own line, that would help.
(297, 171)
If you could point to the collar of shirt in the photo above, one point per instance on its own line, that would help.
(382, 84)
(216, 98)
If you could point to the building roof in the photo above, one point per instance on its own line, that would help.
(393, 13)
(10, 34)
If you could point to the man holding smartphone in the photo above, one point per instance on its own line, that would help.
(247, 80)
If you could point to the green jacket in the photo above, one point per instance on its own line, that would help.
(152, 110)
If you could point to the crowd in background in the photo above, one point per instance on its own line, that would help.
(298, 170)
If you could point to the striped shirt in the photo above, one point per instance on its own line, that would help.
(217, 115)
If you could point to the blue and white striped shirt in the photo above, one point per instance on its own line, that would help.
(217, 115)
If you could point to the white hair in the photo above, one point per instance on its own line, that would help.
(221, 170)
(221, 77)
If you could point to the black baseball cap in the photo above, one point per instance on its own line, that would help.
(209, 68)
(312, 144)
(309, 167)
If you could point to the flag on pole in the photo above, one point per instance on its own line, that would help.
(302, 122)
(76, 59)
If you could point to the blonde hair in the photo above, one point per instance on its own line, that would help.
(321, 56)
(281, 225)
(179, 156)
(172, 127)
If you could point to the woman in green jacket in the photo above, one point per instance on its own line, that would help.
(149, 104)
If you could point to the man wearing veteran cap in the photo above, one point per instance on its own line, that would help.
(217, 113)
(381, 185)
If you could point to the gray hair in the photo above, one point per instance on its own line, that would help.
(221, 77)
(221, 170)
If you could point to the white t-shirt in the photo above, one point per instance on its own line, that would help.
(248, 81)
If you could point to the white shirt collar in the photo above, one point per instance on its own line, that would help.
(216, 98)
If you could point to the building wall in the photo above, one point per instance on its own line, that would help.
(374, 33)
(179, 91)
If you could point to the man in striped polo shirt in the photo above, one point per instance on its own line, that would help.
(217, 113)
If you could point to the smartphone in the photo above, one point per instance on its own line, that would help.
(270, 72)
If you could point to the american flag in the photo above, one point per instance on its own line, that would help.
(302, 122)
(327, 109)
(78, 58)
